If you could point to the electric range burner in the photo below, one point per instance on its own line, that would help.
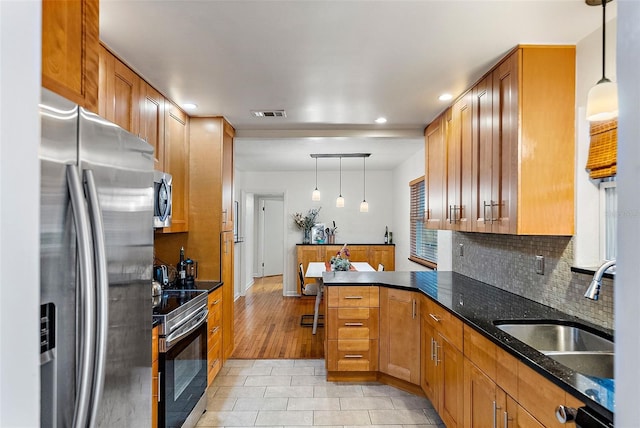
(177, 306)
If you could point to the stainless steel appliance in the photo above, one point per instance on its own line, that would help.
(162, 188)
(183, 356)
(96, 254)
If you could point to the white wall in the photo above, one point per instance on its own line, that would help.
(353, 226)
(627, 293)
(588, 72)
(20, 38)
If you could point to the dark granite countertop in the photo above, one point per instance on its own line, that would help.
(479, 305)
(208, 285)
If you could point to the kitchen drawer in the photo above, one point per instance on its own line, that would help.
(340, 326)
(214, 329)
(214, 361)
(215, 300)
(447, 324)
(353, 355)
(353, 297)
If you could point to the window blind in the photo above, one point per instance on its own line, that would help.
(603, 150)
(424, 242)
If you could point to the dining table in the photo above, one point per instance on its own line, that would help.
(315, 270)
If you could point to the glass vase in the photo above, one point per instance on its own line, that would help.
(306, 239)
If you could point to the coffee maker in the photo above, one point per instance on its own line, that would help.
(192, 273)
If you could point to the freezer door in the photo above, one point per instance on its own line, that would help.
(122, 168)
(58, 148)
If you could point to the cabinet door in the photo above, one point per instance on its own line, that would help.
(459, 136)
(382, 254)
(119, 92)
(435, 174)
(306, 255)
(359, 253)
(177, 164)
(227, 177)
(428, 374)
(152, 122)
(329, 251)
(482, 161)
(504, 179)
(70, 50)
(228, 292)
(400, 334)
(451, 383)
(480, 405)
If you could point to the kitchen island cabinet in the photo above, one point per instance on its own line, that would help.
(70, 43)
(467, 363)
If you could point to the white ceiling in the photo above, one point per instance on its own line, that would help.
(334, 66)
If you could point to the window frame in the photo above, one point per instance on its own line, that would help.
(604, 253)
(417, 215)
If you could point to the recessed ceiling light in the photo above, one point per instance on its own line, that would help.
(445, 97)
(189, 106)
(381, 120)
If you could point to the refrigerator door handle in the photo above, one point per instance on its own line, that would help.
(102, 292)
(86, 312)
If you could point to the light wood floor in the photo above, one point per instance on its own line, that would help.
(267, 325)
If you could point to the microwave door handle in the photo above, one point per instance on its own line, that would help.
(86, 298)
(102, 292)
(180, 333)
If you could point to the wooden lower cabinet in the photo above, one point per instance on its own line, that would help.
(155, 387)
(226, 272)
(400, 334)
(214, 335)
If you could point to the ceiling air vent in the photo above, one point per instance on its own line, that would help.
(269, 113)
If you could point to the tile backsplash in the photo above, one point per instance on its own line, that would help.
(508, 262)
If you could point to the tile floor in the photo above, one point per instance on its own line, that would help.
(295, 393)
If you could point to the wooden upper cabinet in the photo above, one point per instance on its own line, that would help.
(176, 160)
(458, 188)
(435, 174)
(70, 50)
(119, 92)
(384, 255)
(227, 176)
(152, 122)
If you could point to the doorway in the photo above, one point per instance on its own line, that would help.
(271, 236)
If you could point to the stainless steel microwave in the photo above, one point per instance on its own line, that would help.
(162, 199)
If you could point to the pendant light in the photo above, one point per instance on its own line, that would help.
(602, 100)
(340, 200)
(364, 205)
(315, 196)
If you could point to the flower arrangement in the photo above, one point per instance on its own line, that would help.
(341, 260)
(306, 223)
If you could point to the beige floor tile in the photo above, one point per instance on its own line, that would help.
(229, 380)
(337, 391)
(404, 417)
(291, 417)
(383, 391)
(249, 371)
(240, 391)
(411, 402)
(339, 417)
(274, 363)
(320, 371)
(220, 403)
(308, 380)
(365, 403)
(313, 403)
(227, 419)
(293, 371)
(308, 363)
(239, 363)
(261, 403)
(268, 381)
(289, 391)
(374, 426)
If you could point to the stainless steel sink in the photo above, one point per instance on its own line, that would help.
(597, 364)
(570, 345)
(547, 337)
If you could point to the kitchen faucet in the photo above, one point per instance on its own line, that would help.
(594, 288)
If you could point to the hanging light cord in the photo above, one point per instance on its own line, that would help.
(604, 10)
(316, 173)
(364, 179)
(341, 176)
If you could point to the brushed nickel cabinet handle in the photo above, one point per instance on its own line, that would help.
(435, 318)
(353, 297)
(413, 309)
(353, 324)
(353, 356)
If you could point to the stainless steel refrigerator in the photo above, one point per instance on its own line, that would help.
(96, 255)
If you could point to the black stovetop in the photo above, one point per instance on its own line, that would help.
(173, 299)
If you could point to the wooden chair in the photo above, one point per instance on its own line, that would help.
(304, 320)
(380, 267)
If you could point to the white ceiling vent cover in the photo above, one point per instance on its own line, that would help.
(269, 113)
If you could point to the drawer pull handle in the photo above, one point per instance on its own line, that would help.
(214, 330)
(353, 324)
(435, 318)
(215, 302)
(214, 362)
(353, 356)
(353, 297)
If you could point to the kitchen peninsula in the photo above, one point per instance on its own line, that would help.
(466, 361)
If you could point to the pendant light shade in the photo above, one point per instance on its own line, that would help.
(602, 100)
(364, 205)
(340, 200)
(315, 196)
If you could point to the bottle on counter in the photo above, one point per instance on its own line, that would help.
(386, 235)
(182, 270)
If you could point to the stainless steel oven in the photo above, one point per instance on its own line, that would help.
(183, 357)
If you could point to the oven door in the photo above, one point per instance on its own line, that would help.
(183, 380)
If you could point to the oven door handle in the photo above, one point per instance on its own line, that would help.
(187, 328)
